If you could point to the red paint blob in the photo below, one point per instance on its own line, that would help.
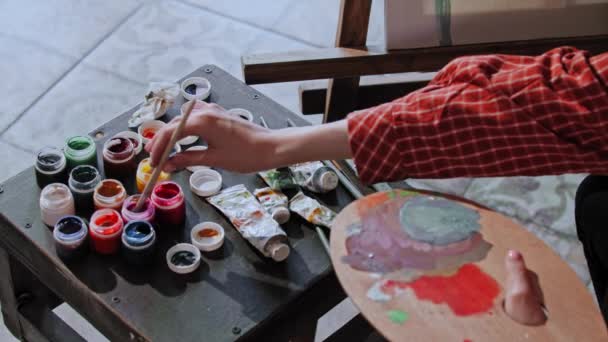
(467, 340)
(149, 133)
(470, 291)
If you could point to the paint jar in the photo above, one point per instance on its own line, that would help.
(147, 213)
(119, 158)
(138, 242)
(207, 236)
(82, 182)
(144, 172)
(168, 199)
(196, 88)
(50, 167)
(106, 229)
(148, 129)
(109, 193)
(206, 182)
(80, 150)
(135, 138)
(183, 258)
(241, 113)
(56, 201)
(70, 235)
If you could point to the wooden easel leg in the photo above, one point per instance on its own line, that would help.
(352, 32)
(8, 299)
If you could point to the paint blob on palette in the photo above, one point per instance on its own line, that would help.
(423, 243)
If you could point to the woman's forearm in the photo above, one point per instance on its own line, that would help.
(301, 144)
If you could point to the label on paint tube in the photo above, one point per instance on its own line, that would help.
(248, 216)
(275, 203)
(311, 210)
(278, 179)
(314, 176)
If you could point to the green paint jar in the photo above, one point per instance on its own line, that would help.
(80, 150)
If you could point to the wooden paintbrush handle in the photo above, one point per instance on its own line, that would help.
(163, 159)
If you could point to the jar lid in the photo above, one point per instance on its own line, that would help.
(328, 180)
(189, 140)
(241, 113)
(279, 251)
(183, 258)
(148, 129)
(205, 182)
(207, 236)
(196, 167)
(281, 215)
(197, 88)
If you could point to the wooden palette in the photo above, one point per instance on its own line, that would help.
(467, 294)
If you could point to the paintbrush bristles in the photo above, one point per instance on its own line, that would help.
(163, 159)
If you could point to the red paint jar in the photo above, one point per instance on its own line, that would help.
(119, 158)
(105, 230)
(168, 199)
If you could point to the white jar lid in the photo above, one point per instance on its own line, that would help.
(328, 181)
(189, 140)
(205, 182)
(197, 167)
(281, 215)
(279, 251)
(151, 124)
(183, 247)
(202, 90)
(210, 243)
(241, 113)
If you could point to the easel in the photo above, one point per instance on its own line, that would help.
(351, 58)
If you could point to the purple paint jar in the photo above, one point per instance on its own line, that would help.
(70, 234)
(147, 213)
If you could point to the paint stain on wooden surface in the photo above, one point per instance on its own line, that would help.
(398, 316)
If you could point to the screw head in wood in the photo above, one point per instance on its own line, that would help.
(115, 300)
(208, 70)
(28, 225)
(236, 330)
(256, 96)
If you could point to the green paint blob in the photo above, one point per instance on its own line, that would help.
(398, 316)
(406, 193)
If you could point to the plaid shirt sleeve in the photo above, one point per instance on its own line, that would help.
(492, 115)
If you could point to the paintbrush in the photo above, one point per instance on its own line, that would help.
(263, 122)
(163, 159)
(344, 179)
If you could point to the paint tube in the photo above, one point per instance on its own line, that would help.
(278, 179)
(311, 210)
(315, 176)
(251, 220)
(275, 203)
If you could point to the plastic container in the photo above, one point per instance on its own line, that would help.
(138, 242)
(189, 140)
(196, 167)
(106, 228)
(80, 150)
(325, 179)
(168, 199)
(50, 167)
(144, 172)
(183, 258)
(135, 138)
(148, 129)
(207, 236)
(119, 158)
(109, 193)
(197, 88)
(241, 113)
(56, 201)
(205, 182)
(82, 182)
(70, 234)
(148, 212)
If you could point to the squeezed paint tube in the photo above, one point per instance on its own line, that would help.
(278, 179)
(275, 203)
(311, 210)
(315, 176)
(251, 220)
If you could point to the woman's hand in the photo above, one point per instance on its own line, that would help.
(239, 145)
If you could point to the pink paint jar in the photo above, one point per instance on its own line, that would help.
(56, 201)
(105, 230)
(148, 212)
(168, 199)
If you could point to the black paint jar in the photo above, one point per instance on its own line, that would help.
(50, 167)
(70, 235)
(138, 242)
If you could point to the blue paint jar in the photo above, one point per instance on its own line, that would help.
(70, 235)
(138, 242)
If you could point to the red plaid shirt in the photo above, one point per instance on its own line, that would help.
(494, 115)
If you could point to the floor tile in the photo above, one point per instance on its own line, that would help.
(261, 13)
(85, 99)
(72, 27)
(168, 39)
(14, 160)
(313, 21)
(24, 76)
(547, 201)
(453, 186)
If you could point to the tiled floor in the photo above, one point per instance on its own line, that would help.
(69, 65)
